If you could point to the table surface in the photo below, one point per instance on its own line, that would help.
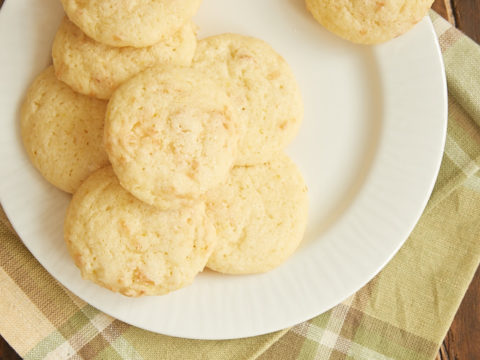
(463, 339)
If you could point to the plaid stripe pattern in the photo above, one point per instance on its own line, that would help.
(403, 313)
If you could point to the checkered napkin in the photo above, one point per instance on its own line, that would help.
(403, 313)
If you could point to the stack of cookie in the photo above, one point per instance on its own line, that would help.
(173, 150)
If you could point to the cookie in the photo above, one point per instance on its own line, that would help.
(262, 86)
(130, 247)
(368, 22)
(260, 215)
(171, 134)
(62, 131)
(96, 69)
(130, 23)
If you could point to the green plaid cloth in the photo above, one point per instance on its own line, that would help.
(403, 313)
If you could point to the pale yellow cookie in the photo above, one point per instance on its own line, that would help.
(262, 86)
(171, 135)
(96, 69)
(62, 131)
(133, 248)
(368, 22)
(260, 214)
(135, 23)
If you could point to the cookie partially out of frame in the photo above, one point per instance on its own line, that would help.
(171, 134)
(95, 69)
(262, 86)
(368, 22)
(260, 215)
(63, 131)
(135, 23)
(133, 248)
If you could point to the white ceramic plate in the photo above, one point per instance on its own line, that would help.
(370, 148)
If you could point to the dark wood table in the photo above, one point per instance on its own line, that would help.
(463, 339)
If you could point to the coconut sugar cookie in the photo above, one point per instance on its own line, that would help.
(262, 86)
(130, 247)
(62, 131)
(368, 22)
(171, 134)
(135, 23)
(260, 214)
(96, 69)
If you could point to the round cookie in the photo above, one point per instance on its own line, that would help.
(260, 214)
(262, 86)
(62, 131)
(96, 69)
(135, 23)
(368, 22)
(130, 247)
(171, 134)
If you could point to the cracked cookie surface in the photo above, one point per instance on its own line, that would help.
(260, 215)
(261, 85)
(171, 134)
(368, 22)
(96, 69)
(62, 131)
(135, 23)
(133, 248)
